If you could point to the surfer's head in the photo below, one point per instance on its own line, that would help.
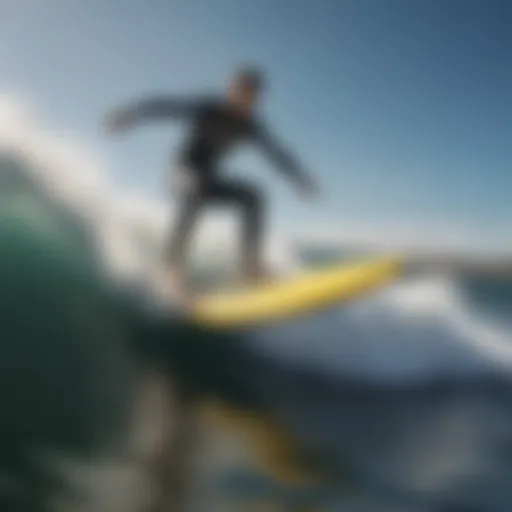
(245, 87)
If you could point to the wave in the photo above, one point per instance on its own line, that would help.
(418, 330)
(421, 331)
(422, 328)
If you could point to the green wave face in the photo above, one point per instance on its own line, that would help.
(73, 352)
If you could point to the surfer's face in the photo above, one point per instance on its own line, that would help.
(243, 95)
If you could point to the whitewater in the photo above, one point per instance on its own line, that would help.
(411, 386)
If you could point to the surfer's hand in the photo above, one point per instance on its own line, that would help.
(118, 121)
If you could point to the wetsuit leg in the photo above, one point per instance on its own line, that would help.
(250, 200)
(208, 188)
(190, 204)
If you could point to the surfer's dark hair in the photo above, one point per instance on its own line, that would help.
(251, 76)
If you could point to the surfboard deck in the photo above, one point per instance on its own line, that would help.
(281, 299)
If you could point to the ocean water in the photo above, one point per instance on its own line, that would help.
(401, 401)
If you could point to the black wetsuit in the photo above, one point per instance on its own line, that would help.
(214, 129)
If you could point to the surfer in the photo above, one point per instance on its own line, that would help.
(217, 124)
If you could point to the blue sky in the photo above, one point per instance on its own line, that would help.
(403, 109)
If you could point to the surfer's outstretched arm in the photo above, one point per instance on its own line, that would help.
(157, 107)
(283, 159)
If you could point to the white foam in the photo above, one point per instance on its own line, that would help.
(415, 331)
(440, 297)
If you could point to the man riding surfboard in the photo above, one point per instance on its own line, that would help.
(217, 124)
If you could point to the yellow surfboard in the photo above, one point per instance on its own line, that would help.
(283, 299)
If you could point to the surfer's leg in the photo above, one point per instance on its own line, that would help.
(250, 200)
(189, 206)
(186, 219)
(252, 203)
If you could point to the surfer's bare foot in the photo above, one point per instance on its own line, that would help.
(257, 274)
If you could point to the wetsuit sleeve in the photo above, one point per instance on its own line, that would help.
(161, 107)
(282, 158)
